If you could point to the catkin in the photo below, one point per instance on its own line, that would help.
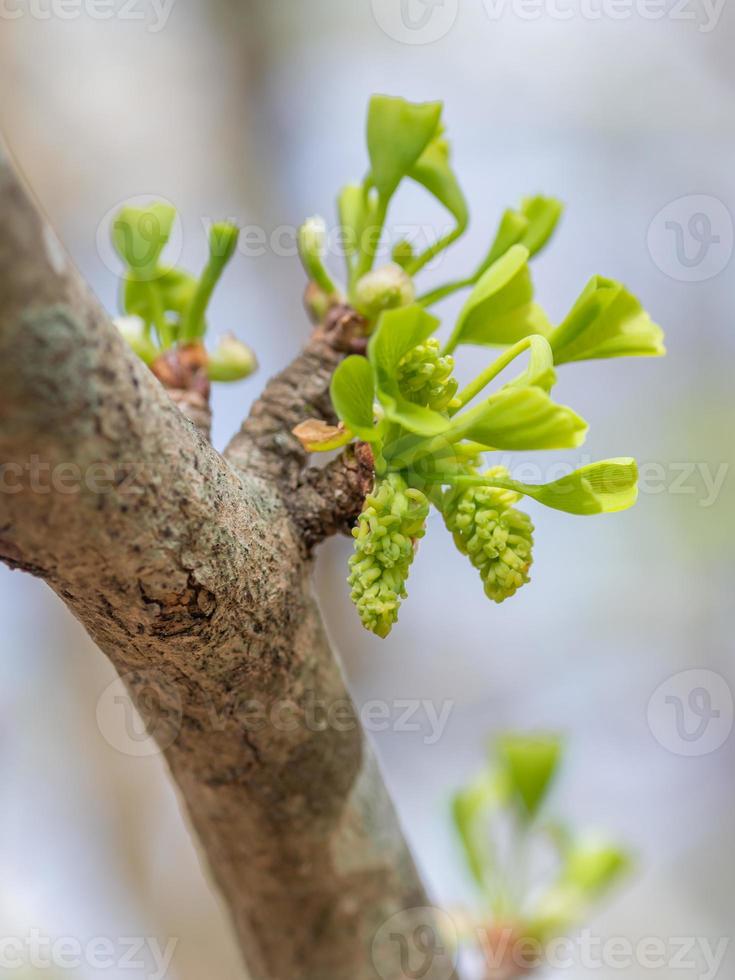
(392, 520)
(425, 376)
(497, 538)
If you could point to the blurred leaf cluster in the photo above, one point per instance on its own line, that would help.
(535, 877)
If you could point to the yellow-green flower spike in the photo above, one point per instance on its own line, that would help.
(393, 518)
(425, 376)
(497, 538)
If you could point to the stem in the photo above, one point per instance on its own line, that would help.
(367, 258)
(489, 374)
(194, 318)
(164, 331)
(433, 250)
(441, 292)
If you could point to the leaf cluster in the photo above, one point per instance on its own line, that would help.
(502, 827)
(164, 305)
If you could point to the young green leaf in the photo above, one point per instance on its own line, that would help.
(398, 332)
(598, 488)
(531, 226)
(434, 172)
(531, 762)
(539, 372)
(353, 396)
(470, 808)
(223, 238)
(500, 309)
(606, 321)
(518, 419)
(312, 246)
(542, 214)
(398, 132)
(141, 234)
(357, 211)
(595, 866)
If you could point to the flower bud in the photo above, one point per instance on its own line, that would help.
(232, 360)
(497, 538)
(383, 289)
(392, 520)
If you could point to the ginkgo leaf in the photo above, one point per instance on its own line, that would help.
(500, 309)
(470, 808)
(398, 132)
(141, 234)
(604, 487)
(598, 488)
(433, 170)
(520, 418)
(539, 372)
(356, 208)
(531, 762)
(531, 226)
(353, 396)
(595, 865)
(542, 214)
(606, 321)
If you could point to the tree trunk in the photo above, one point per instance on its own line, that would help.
(191, 571)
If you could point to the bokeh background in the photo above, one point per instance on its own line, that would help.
(255, 110)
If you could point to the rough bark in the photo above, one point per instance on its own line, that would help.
(192, 574)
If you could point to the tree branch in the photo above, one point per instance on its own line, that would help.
(190, 576)
(321, 502)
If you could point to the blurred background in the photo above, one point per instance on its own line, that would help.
(255, 110)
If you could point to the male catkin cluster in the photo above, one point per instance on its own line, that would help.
(496, 537)
(393, 518)
(425, 376)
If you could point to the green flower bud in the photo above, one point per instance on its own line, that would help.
(382, 289)
(133, 329)
(393, 518)
(232, 360)
(312, 240)
(425, 377)
(495, 536)
(402, 253)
